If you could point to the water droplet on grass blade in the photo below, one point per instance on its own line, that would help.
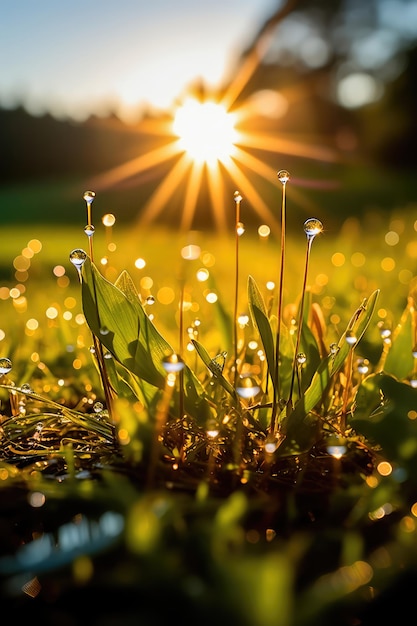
(301, 358)
(89, 196)
(312, 227)
(89, 230)
(5, 365)
(283, 176)
(237, 197)
(78, 257)
(351, 338)
(247, 387)
(150, 300)
(172, 363)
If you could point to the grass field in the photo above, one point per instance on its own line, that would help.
(378, 251)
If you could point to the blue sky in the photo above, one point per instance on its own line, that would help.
(75, 57)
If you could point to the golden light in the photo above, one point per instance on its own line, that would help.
(209, 144)
(206, 131)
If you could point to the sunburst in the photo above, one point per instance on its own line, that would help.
(210, 144)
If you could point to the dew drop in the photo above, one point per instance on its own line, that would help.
(237, 197)
(271, 444)
(98, 407)
(301, 358)
(26, 388)
(351, 338)
(107, 356)
(283, 176)
(240, 228)
(363, 366)
(92, 349)
(414, 352)
(212, 429)
(247, 387)
(334, 349)
(89, 230)
(5, 365)
(336, 450)
(312, 227)
(89, 196)
(172, 363)
(150, 300)
(78, 257)
(104, 330)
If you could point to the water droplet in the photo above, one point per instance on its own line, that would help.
(283, 176)
(301, 358)
(238, 198)
(336, 446)
(271, 444)
(5, 365)
(351, 338)
(89, 196)
(334, 349)
(26, 388)
(92, 349)
(98, 407)
(172, 363)
(104, 330)
(78, 257)
(150, 300)
(212, 429)
(107, 356)
(240, 228)
(362, 366)
(312, 227)
(247, 387)
(414, 352)
(89, 230)
(413, 382)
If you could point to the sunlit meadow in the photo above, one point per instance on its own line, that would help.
(226, 420)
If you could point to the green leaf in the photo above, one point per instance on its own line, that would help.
(107, 308)
(399, 360)
(131, 336)
(382, 409)
(261, 322)
(208, 362)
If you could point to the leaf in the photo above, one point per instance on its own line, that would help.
(214, 369)
(399, 360)
(382, 409)
(261, 322)
(107, 308)
(131, 336)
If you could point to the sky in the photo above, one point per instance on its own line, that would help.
(73, 58)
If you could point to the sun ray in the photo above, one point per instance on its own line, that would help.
(165, 190)
(256, 165)
(135, 166)
(216, 189)
(191, 195)
(279, 144)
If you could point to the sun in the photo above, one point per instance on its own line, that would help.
(206, 131)
(211, 142)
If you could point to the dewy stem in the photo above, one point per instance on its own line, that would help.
(238, 200)
(300, 321)
(276, 393)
